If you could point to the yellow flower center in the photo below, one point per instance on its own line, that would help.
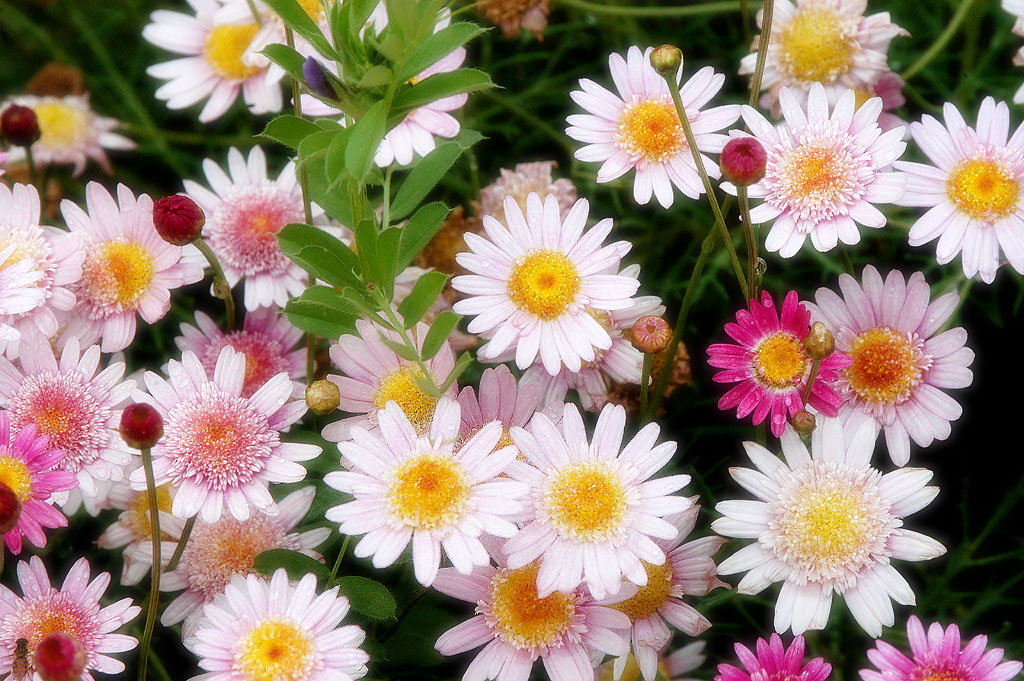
(61, 126)
(400, 387)
(814, 175)
(780, 360)
(23, 248)
(138, 512)
(428, 491)
(651, 130)
(817, 44)
(983, 189)
(940, 674)
(119, 271)
(651, 597)
(886, 366)
(15, 475)
(587, 501)
(312, 8)
(631, 671)
(522, 619)
(276, 650)
(544, 283)
(225, 46)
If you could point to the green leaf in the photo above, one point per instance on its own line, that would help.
(461, 364)
(322, 311)
(436, 46)
(442, 327)
(366, 249)
(367, 597)
(387, 254)
(423, 294)
(289, 130)
(422, 178)
(375, 76)
(439, 86)
(420, 229)
(426, 385)
(296, 564)
(295, 17)
(366, 137)
(401, 349)
(321, 254)
(287, 58)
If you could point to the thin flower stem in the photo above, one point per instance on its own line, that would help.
(767, 14)
(33, 172)
(255, 13)
(748, 232)
(337, 562)
(186, 532)
(940, 43)
(695, 9)
(745, 13)
(220, 283)
(815, 365)
(645, 380)
(847, 263)
(385, 307)
(154, 586)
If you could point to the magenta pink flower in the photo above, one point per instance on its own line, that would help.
(770, 365)
(937, 655)
(773, 661)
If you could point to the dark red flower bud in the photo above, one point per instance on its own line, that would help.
(59, 657)
(10, 509)
(743, 161)
(141, 425)
(19, 125)
(650, 334)
(178, 220)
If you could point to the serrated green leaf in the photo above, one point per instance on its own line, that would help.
(439, 86)
(367, 597)
(295, 17)
(401, 349)
(366, 137)
(287, 58)
(289, 130)
(420, 229)
(423, 177)
(437, 46)
(296, 564)
(461, 364)
(423, 294)
(442, 327)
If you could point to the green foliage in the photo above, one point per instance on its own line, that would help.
(367, 597)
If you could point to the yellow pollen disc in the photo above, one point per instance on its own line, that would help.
(780, 360)
(22, 249)
(817, 174)
(544, 282)
(138, 512)
(885, 366)
(983, 189)
(817, 44)
(15, 475)
(276, 650)
(49, 620)
(650, 129)
(61, 126)
(119, 272)
(521, 618)
(428, 491)
(651, 597)
(399, 386)
(940, 675)
(225, 46)
(631, 672)
(586, 501)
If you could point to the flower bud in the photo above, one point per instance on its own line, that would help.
(743, 161)
(803, 423)
(820, 342)
(322, 397)
(650, 334)
(666, 59)
(19, 125)
(141, 425)
(10, 509)
(316, 78)
(178, 219)
(59, 657)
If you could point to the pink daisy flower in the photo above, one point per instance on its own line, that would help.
(1016, 8)
(901, 364)
(266, 339)
(502, 399)
(217, 551)
(827, 167)
(937, 654)
(26, 463)
(638, 128)
(76, 405)
(373, 375)
(128, 268)
(594, 515)
(259, 630)
(527, 178)
(53, 253)
(673, 667)
(19, 290)
(773, 660)
(220, 450)
(770, 364)
(826, 522)
(533, 282)
(416, 488)
(972, 190)
(516, 625)
(74, 610)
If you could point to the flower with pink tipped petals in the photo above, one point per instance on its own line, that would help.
(74, 610)
(937, 655)
(527, 178)
(774, 661)
(771, 365)
(220, 450)
(638, 128)
(901, 364)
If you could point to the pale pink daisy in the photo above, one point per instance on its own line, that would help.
(503, 399)
(594, 515)
(26, 467)
(211, 67)
(259, 631)
(638, 128)
(827, 167)
(826, 522)
(217, 551)
(220, 450)
(74, 610)
(76, 405)
(516, 625)
(937, 655)
(128, 268)
(769, 363)
(534, 280)
(973, 190)
(901, 364)
(266, 339)
(672, 667)
(19, 290)
(527, 178)
(1016, 8)
(244, 212)
(373, 375)
(773, 660)
(70, 132)
(416, 488)
(830, 42)
(53, 253)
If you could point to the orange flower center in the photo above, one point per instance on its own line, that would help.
(521, 618)
(886, 366)
(651, 130)
(586, 501)
(428, 491)
(780, 360)
(651, 597)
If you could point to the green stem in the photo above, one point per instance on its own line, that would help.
(33, 173)
(767, 13)
(941, 41)
(815, 365)
(748, 232)
(256, 15)
(629, 11)
(406, 607)
(337, 562)
(745, 12)
(645, 380)
(220, 282)
(186, 532)
(385, 307)
(847, 263)
(154, 586)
